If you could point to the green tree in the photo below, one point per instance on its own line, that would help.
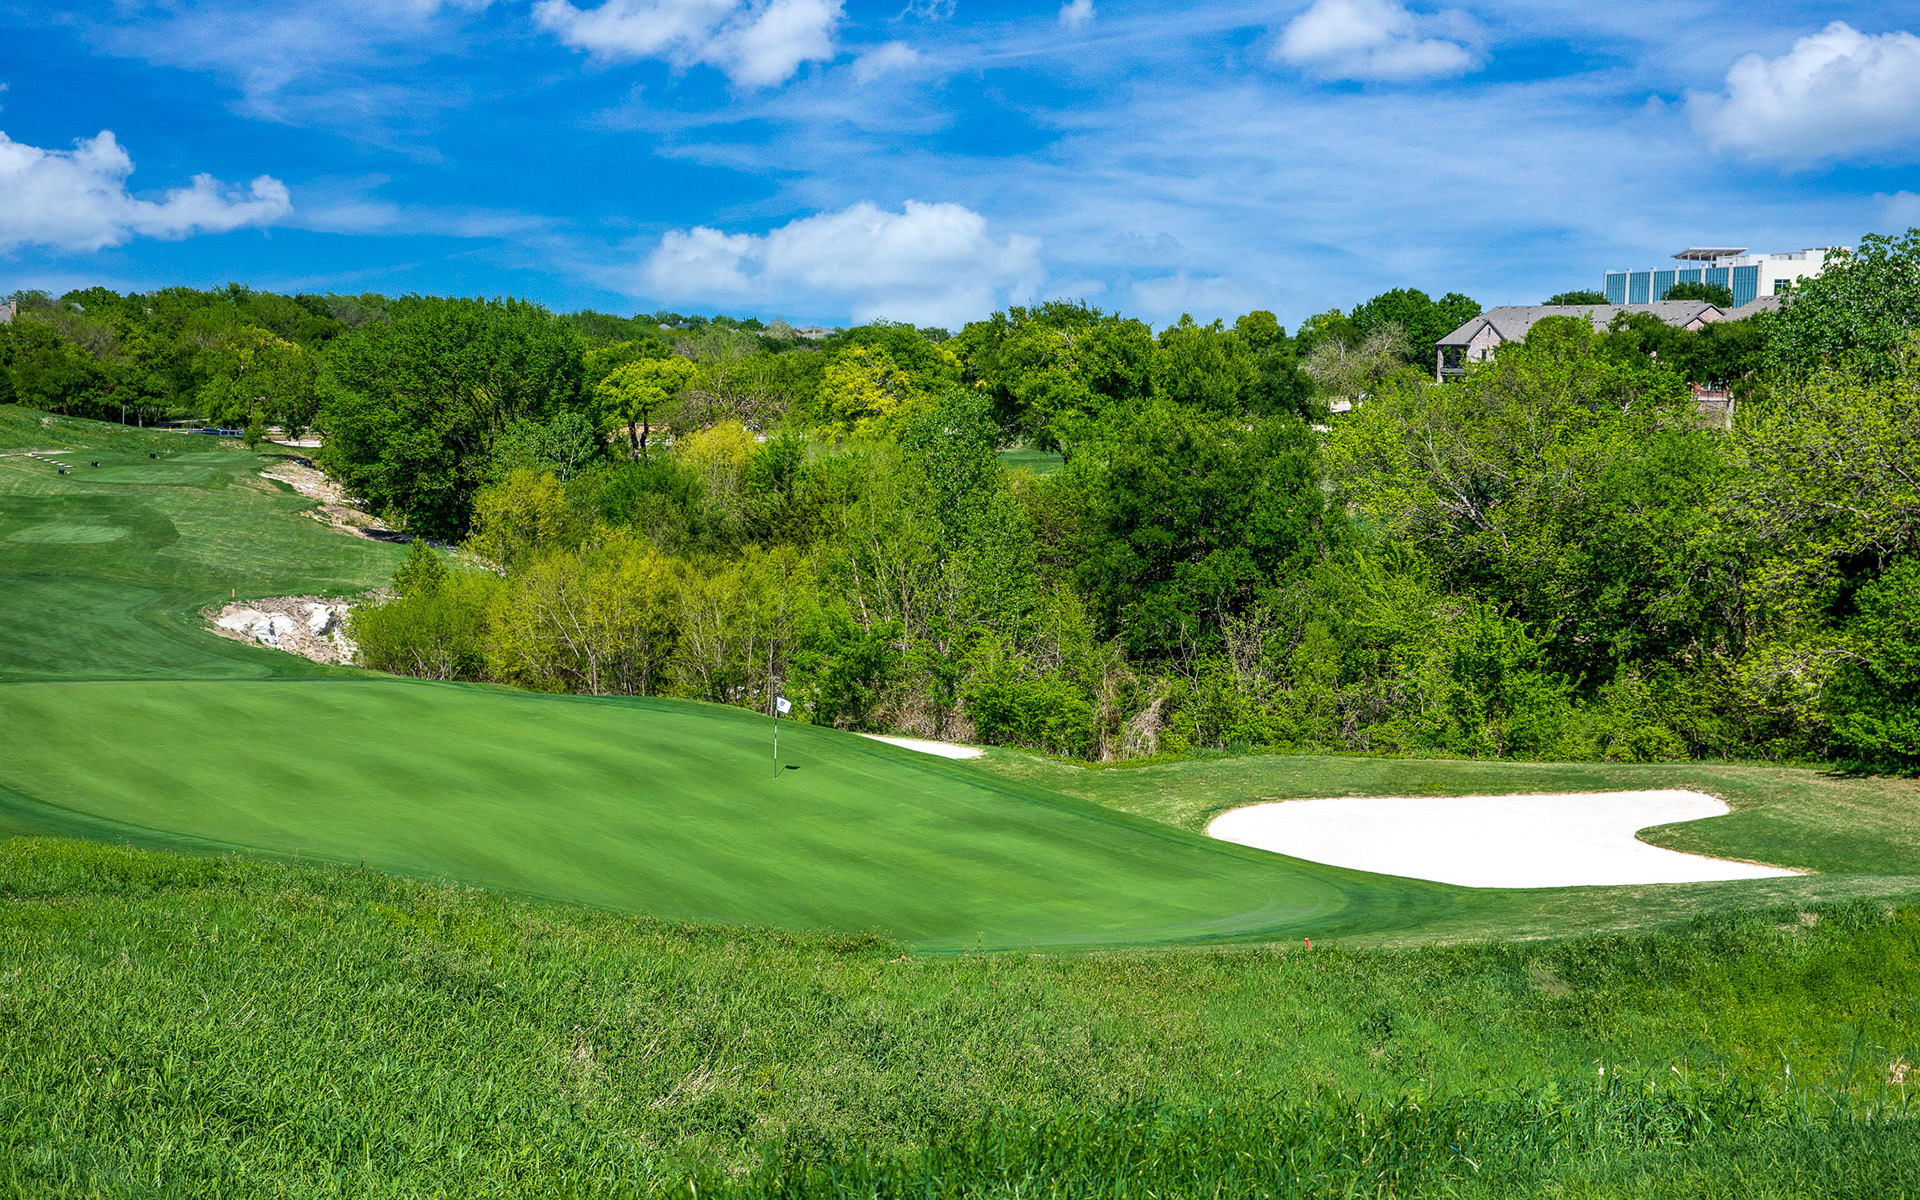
(1424, 321)
(1579, 297)
(1188, 517)
(1711, 293)
(519, 516)
(1282, 386)
(1859, 311)
(420, 573)
(1206, 367)
(412, 409)
(636, 395)
(1054, 370)
(1571, 486)
(1873, 704)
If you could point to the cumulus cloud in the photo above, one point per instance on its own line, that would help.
(1076, 13)
(758, 43)
(1838, 94)
(928, 263)
(78, 200)
(1378, 39)
(876, 62)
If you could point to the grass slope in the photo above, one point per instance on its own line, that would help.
(192, 1027)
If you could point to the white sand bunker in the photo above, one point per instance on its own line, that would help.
(1582, 839)
(943, 749)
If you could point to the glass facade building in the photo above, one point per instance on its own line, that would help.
(1747, 276)
(1645, 287)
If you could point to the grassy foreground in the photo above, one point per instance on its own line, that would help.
(180, 1026)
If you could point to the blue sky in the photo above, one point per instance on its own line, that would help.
(931, 160)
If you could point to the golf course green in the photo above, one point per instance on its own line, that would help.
(124, 720)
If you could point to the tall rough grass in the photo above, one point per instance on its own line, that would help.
(173, 1026)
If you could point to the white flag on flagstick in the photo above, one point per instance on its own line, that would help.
(782, 705)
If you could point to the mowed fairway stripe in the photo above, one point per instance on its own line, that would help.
(656, 806)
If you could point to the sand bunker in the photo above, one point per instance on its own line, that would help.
(943, 749)
(1582, 839)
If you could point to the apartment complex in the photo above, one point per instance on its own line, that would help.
(1748, 276)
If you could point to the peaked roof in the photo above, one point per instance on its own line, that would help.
(1759, 304)
(1512, 322)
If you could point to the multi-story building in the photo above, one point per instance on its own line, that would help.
(1747, 276)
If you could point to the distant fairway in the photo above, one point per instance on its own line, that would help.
(123, 719)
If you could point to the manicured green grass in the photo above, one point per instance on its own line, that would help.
(179, 1026)
(102, 571)
(655, 806)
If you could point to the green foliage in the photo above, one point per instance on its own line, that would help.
(1568, 485)
(1283, 387)
(521, 515)
(1712, 293)
(1874, 702)
(435, 630)
(1424, 321)
(412, 409)
(636, 394)
(1188, 517)
(1204, 367)
(1859, 313)
(421, 573)
(563, 445)
(1586, 296)
(1054, 370)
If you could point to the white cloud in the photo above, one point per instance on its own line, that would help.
(1838, 94)
(1378, 39)
(78, 200)
(874, 63)
(928, 263)
(1184, 293)
(1076, 13)
(306, 61)
(1899, 211)
(758, 43)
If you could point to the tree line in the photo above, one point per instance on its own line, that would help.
(1553, 557)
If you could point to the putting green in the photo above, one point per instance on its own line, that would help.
(653, 806)
(65, 533)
